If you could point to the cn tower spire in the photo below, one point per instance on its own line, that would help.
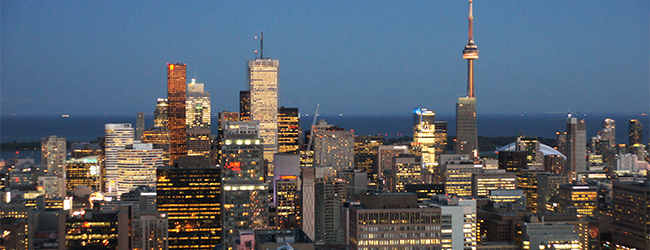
(470, 53)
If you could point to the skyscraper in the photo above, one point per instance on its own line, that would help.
(636, 132)
(466, 142)
(263, 76)
(245, 105)
(576, 139)
(608, 132)
(137, 164)
(198, 113)
(160, 118)
(288, 130)
(117, 137)
(176, 95)
(53, 154)
(424, 130)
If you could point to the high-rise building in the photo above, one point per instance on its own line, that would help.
(139, 128)
(330, 194)
(286, 191)
(608, 133)
(458, 222)
(176, 95)
(527, 181)
(548, 189)
(582, 197)
(365, 152)
(117, 137)
(636, 132)
(199, 142)
(424, 142)
(149, 230)
(466, 137)
(631, 219)
(159, 138)
(263, 78)
(333, 147)
(487, 180)
(83, 172)
(386, 153)
(242, 152)
(288, 130)
(190, 197)
(160, 115)
(198, 113)
(458, 176)
(136, 165)
(245, 105)
(536, 236)
(53, 155)
(576, 146)
(394, 221)
(226, 116)
(440, 139)
(406, 171)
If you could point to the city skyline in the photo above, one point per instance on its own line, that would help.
(90, 58)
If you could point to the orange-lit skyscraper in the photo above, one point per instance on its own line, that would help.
(466, 142)
(176, 94)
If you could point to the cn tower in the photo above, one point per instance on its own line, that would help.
(466, 136)
(470, 53)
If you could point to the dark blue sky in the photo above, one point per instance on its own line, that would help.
(352, 57)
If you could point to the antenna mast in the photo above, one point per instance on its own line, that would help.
(262, 46)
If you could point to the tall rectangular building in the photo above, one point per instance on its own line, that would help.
(176, 95)
(160, 115)
(263, 78)
(117, 137)
(190, 197)
(139, 129)
(137, 164)
(636, 132)
(245, 105)
(53, 155)
(576, 146)
(288, 130)
(440, 139)
(198, 113)
(424, 130)
(466, 142)
(631, 218)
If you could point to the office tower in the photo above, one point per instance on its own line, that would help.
(263, 78)
(288, 130)
(357, 183)
(245, 105)
(310, 176)
(333, 147)
(515, 196)
(84, 149)
(458, 176)
(555, 164)
(534, 155)
(329, 197)
(406, 171)
(548, 189)
(394, 221)
(53, 155)
(159, 138)
(636, 132)
(139, 128)
(176, 95)
(486, 181)
(631, 219)
(425, 191)
(502, 220)
(286, 191)
(458, 222)
(466, 142)
(527, 181)
(226, 116)
(242, 152)
(561, 140)
(190, 196)
(198, 113)
(608, 132)
(83, 172)
(366, 149)
(576, 146)
(440, 139)
(245, 206)
(424, 136)
(160, 115)
(537, 236)
(149, 230)
(117, 137)
(386, 153)
(199, 142)
(98, 230)
(53, 186)
(136, 165)
(581, 197)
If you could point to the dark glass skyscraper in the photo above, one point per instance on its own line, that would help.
(288, 130)
(636, 132)
(176, 94)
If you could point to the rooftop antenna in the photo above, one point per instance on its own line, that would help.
(262, 46)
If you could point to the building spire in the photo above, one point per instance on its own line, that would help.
(471, 22)
(470, 53)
